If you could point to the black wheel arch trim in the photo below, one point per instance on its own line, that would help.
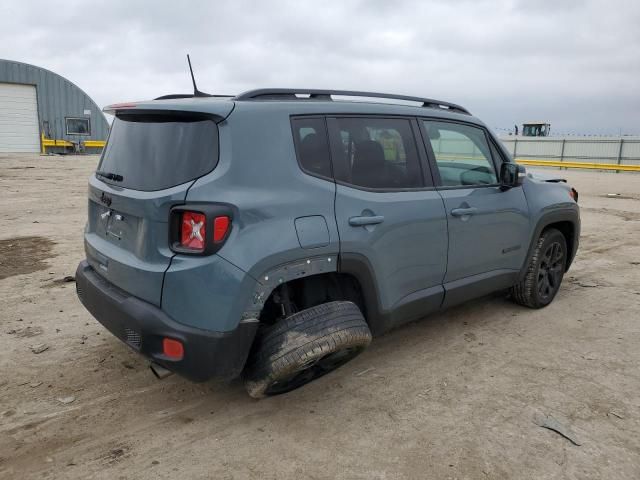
(555, 216)
(269, 280)
(358, 266)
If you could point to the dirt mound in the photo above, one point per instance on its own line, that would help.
(22, 255)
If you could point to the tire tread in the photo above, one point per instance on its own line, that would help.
(302, 337)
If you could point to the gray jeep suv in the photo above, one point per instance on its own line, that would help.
(271, 234)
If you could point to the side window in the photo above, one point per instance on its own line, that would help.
(462, 154)
(312, 149)
(375, 152)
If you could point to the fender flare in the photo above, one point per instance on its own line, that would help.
(358, 266)
(571, 215)
(354, 264)
(284, 273)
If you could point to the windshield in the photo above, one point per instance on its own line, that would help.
(154, 152)
(535, 130)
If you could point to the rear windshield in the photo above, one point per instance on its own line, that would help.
(154, 152)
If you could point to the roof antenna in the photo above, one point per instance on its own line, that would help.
(196, 92)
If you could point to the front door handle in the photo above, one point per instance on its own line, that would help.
(463, 212)
(362, 221)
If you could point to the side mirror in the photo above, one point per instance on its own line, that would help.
(510, 175)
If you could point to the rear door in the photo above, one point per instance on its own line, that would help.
(389, 214)
(488, 226)
(149, 162)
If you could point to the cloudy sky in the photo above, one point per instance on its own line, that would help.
(573, 63)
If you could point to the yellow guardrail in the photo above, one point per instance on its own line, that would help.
(587, 165)
(548, 163)
(94, 143)
(50, 142)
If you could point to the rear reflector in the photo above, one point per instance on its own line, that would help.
(192, 231)
(220, 228)
(172, 348)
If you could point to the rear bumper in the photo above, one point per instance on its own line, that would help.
(142, 326)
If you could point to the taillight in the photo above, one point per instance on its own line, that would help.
(220, 228)
(199, 229)
(193, 231)
(573, 193)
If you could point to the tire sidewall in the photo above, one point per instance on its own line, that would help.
(549, 238)
(303, 338)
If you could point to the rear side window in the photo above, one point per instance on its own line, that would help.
(462, 154)
(312, 148)
(377, 153)
(154, 152)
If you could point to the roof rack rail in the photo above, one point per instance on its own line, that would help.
(315, 94)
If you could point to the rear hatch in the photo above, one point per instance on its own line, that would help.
(151, 159)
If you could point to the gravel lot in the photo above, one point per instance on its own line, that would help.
(452, 396)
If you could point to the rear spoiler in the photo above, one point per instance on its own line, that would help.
(219, 109)
(112, 109)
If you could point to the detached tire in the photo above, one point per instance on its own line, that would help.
(305, 346)
(544, 273)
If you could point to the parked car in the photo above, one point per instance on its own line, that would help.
(272, 234)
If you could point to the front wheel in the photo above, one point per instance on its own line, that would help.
(544, 273)
(305, 346)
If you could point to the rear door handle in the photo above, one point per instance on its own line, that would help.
(461, 212)
(362, 221)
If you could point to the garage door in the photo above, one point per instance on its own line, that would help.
(19, 130)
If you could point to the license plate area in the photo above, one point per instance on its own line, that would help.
(118, 227)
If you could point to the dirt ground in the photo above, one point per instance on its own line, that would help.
(452, 396)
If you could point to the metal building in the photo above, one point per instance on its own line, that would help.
(40, 111)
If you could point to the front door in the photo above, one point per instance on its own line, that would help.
(389, 215)
(488, 226)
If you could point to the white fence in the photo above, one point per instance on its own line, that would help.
(609, 150)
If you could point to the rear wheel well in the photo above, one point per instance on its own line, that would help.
(307, 292)
(568, 231)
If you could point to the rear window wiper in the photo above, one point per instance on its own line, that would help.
(110, 176)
